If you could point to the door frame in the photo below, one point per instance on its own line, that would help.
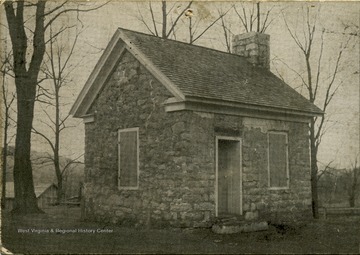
(228, 138)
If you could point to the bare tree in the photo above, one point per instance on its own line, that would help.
(57, 68)
(178, 15)
(316, 81)
(168, 22)
(29, 38)
(226, 31)
(194, 25)
(326, 170)
(353, 185)
(350, 29)
(251, 18)
(6, 119)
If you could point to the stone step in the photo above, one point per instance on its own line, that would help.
(239, 226)
(227, 217)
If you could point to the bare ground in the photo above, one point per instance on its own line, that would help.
(334, 235)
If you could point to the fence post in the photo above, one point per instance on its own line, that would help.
(82, 202)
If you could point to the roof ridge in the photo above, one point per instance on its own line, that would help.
(198, 71)
(184, 43)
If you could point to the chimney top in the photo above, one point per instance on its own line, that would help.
(254, 46)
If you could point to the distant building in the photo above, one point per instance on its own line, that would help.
(181, 134)
(46, 195)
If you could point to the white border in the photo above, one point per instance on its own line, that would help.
(229, 138)
(138, 162)
(287, 159)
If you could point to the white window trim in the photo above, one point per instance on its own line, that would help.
(137, 156)
(287, 160)
(229, 138)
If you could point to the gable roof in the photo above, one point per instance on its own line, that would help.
(39, 189)
(195, 72)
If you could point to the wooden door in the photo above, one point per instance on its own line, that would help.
(229, 186)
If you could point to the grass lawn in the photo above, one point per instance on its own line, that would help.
(334, 235)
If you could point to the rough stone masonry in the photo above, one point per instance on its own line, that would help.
(177, 158)
(254, 46)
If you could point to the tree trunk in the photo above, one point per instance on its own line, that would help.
(258, 17)
(3, 189)
(352, 200)
(26, 74)
(4, 157)
(57, 142)
(60, 191)
(314, 170)
(353, 188)
(25, 201)
(164, 19)
(191, 36)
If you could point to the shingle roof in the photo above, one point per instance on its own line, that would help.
(211, 74)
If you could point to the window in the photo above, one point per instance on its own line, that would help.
(278, 168)
(128, 149)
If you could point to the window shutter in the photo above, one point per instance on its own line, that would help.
(128, 158)
(278, 161)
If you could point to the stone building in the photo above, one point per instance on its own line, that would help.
(180, 134)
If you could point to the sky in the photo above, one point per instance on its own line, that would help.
(340, 144)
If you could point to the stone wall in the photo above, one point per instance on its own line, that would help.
(177, 157)
(260, 201)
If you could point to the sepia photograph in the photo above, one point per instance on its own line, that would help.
(179, 127)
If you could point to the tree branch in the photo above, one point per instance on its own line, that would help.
(56, 8)
(153, 19)
(264, 25)
(327, 167)
(319, 65)
(73, 161)
(142, 20)
(241, 19)
(177, 19)
(45, 137)
(294, 36)
(225, 30)
(295, 72)
(72, 10)
(206, 29)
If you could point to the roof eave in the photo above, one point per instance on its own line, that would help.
(241, 109)
(76, 110)
(265, 108)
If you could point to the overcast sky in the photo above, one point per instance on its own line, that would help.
(340, 143)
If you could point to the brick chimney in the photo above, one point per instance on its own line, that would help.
(254, 46)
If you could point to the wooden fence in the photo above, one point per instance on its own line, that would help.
(337, 211)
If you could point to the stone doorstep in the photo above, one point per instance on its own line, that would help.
(239, 227)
